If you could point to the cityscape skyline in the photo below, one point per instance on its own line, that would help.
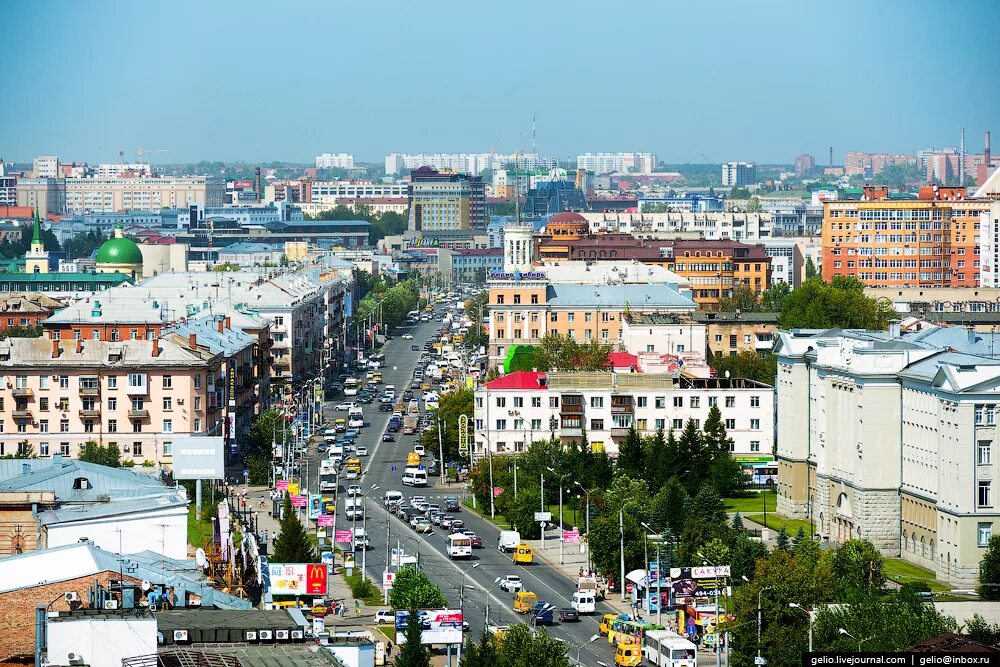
(255, 89)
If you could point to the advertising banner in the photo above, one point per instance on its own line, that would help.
(293, 488)
(281, 485)
(343, 536)
(315, 505)
(440, 626)
(693, 582)
(297, 578)
(298, 501)
(497, 490)
(571, 536)
(325, 520)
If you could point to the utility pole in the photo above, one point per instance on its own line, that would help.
(621, 552)
(542, 509)
(388, 560)
(561, 528)
(440, 426)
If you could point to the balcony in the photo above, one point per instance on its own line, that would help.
(619, 431)
(571, 404)
(22, 392)
(22, 414)
(622, 405)
(90, 414)
(571, 432)
(90, 391)
(138, 414)
(139, 389)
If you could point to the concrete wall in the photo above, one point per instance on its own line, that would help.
(163, 531)
(100, 642)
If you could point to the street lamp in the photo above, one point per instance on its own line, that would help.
(561, 528)
(718, 651)
(586, 520)
(859, 641)
(812, 617)
(659, 573)
(579, 647)
(364, 528)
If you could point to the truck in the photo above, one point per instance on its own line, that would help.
(664, 648)
(328, 482)
(508, 541)
(588, 584)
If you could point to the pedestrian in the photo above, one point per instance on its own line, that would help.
(357, 608)
(262, 502)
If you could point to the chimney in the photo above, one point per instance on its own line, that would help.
(193, 342)
(156, 347)
(961, 161)
(986, 152)
(229, 322)
(55, 349)
(221, 324)
(79, 345)
(831, 156)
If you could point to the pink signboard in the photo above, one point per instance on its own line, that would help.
(281, 485)
(343, 536)
(298, 501)
(497, 490)
(571, 536)
(324, 520)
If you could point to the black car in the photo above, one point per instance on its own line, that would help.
(388, 437)
(451, 504)
(415, 348)
(385, 407)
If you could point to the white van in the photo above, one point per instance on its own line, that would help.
(392, 498)
(356, 418)
(584, 602)
(353, 507)
(415, 477)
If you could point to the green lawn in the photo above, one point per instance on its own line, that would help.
(499, 521)
(199, 531)
(775, 522)
(903, 572)
(373, 600)
(752, 503)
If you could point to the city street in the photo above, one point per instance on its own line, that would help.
(466, 583)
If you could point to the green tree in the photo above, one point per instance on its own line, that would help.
(811, 271)
(520, 513)
(17, 331)
(413, 653)
(860, 570)
(750, 365)
(106, 455)
(451, 406)
(604, 542)
(840, 303)
(715, 440)
(781, 540)
(742, 298)
(671, 506)
(989, 571)
(694, 459)
(979, 629)
(737, 523)
(557, 352)
(754, 205)
(799, 536)
(773, 298)
(631, 460)
(520, 647)
(412, 589)
(477, 308)
(744, 554)
(708, 505)
(292, 544)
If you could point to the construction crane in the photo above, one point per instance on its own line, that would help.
(140, 151)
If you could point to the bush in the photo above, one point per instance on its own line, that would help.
(362, 588)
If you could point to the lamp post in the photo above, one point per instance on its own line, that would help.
(812, 617)
(718, 650)
(561, 478)
(586, 520)
(364, 529)
(659, 575)
(859, 641)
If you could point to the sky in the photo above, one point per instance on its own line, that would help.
(689, 81)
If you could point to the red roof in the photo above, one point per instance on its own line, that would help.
(568, 216)
(24, 212)
(622, 360)
(517, 380)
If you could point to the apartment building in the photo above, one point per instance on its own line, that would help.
(889, 437)
(335, 161)
(513, 411)
(610, 163)
(989, 246)
(445, 202)
(860, 163)
(8, 194)
(711, 225)
(46, 166)
(931, 241)
(730, 334)
(738, 174)
(320, 190)
(84, 195)
(469, 163)
(137, 394)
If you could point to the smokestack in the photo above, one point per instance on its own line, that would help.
(55, 349)
(193, 342)
(79, 345)
(961, 160)
(156, 347)
(221, 324)
(256, 172)
(986, 152)
(229, 322)
(831, 156)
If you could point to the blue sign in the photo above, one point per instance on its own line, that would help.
(393, 469)
(326, 558)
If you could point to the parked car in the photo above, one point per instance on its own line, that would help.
(407, 336)
(385, 617)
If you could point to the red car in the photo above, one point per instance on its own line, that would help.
(477, 542)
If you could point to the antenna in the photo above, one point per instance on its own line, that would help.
(533, 149)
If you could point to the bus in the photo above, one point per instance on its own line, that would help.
(664, 648)
(327, 467)
(459, 546)
(413, 316)
(353, 465)
(624, 629)
(351, 386)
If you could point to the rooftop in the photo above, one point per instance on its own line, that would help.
(641, 297)
(523, 380)
(58, 474)
(100, 354)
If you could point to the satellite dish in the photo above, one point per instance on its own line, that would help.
(199, 557)
(146, 584)
(727, 374)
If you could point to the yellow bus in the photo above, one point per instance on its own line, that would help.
(412, 459)
(353, 465)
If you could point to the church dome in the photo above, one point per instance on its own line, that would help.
(119, 250)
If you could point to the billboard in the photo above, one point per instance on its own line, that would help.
(297, 578)
(199, 457)
(692, 582)
(438, 626)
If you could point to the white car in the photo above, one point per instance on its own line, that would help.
(510, 583)
(354, 490)
(361, 451)
(423, 525)
(344, 406)
(407, 336)
(385, 616)
(419, 449)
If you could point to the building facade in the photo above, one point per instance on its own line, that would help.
(609, 163)
(85, 195)
(469, 163)
(711, 225)
(335, 161)
(738, 174)
(446, 202)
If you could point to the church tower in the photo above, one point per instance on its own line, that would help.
(37, 258)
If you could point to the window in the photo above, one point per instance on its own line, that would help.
(63, 403)
(641, 424)
(732, 340)
(553, 401)
(985, 533)
(64, 448)
(755, 401)
(985, 454)
(596, 424)
(501, 401)
(553, 317)
(660, 423)
(984, 498)
(755, 445)
(641, 401)
(138, 404)
(43, 449)
(88, 425)
(660, 402)
(571, 317)
(754, 424)
(168, 448)
(597, 401)
(136, 379)
(112, 382)
(499, 299)
(677, 424)
(718, 338)
(168, 403)
(730, 424)
(43, 404)
(168, 381)
(695, 401)
(536, 424)
(536, 401)
(517, 298)
(137, 426)
(587, 317)
(713, 400)
(197, 403)
(197, 382)
(112, 426)
(112, 403)
(678, 401)
(136, 449)
(43, 425)
(168, 426)
(197, 424)
(730, 401)
(64, 426)
(501, 424)
(21, 382)
(43, 381)
(605, 334)
(64, 382)
(518, 401)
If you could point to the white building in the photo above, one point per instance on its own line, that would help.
(787, 261)
(513, 411)
(712, 225)
(335, 161)
(322, 190)
(467, 163)
(46, 166)
(115, 170)
(738, 174)
(989, 246)
(610, 163)
(664, 333)
(889, 437)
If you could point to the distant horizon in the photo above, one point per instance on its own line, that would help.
(693, 84)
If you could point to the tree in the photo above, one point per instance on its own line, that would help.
(292, 544)
(557, 352)
(106, 455)
(979, 629)
(737, 523)
(671, 506)
(17, 331)
(451, 406)
(840, 303)
(799, 536)
(715, 440)
(744, 554)
(773, 298)
(630, 455)
(477, 308)
(412, 589)
(811, 271)
(708, 506)
(413, 653)
(520, 513)
(781, 540)
(989, 571)
(860, 570)
(750, 365)
(742, 298)
(604, 542)
(518, 647)
(754, 205)
(692, 454)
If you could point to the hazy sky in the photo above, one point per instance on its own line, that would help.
(221, 80)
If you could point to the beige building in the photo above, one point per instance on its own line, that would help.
(82, 195)
(889, 437)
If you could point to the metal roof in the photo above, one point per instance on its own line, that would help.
(639, 297)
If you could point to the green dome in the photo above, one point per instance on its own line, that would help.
(119, 251)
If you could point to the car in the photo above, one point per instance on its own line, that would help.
(477, 542)
(446, 521)
(361, 451)
(354, 490)
(413, 520)
(388, 437)
(344, 406)
(423, 525)
(451, 504)
(366, 399)
(385, 407)
(386, 399)
(457, 524)
(407, 336)
(419, 449)
(407, 395)
(385, 617)
(431, 507)
(415, 348)
(510, 583)
(435, 518)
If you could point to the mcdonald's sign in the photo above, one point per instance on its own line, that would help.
(316, 579)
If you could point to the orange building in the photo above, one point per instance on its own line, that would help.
(930, 241)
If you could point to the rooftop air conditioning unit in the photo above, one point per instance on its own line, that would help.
(251, 635)
(180, 635)
(281, 634)
(111, 604)
(266, 635)
(298, 634)
(71, 596)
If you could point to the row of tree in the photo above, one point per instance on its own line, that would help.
(382, 224)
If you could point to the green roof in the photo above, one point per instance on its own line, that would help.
(63, 278)
(119, 251)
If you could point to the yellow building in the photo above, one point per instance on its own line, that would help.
(37, 259)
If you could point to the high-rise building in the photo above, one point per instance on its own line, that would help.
(46, 166)
(85, 195)
(738, 174)
(8, 191)
(335, 161)
(609, 163)
(446, 202)
(804, 163)
(469, 163)
(859, 163)
(931, 241)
